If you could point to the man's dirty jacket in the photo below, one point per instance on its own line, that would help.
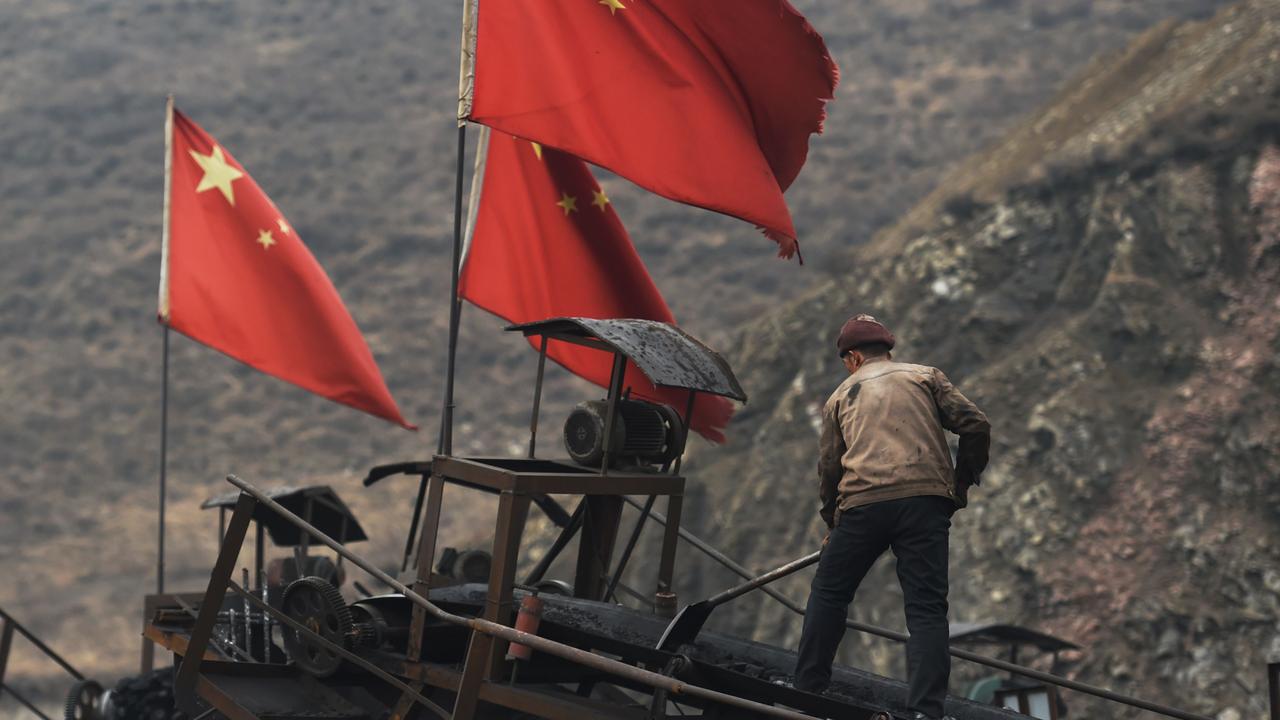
(882, 438)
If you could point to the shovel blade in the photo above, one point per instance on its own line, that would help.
(685, 626)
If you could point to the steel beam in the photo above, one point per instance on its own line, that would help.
(24, 701)
(6, 642)
(184, 686)
(481, 626)
(425, 559)
(595, 546)
(670, 541)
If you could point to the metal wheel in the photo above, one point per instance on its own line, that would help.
(318, 606)
(84, 701)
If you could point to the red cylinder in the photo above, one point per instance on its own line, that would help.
(527, 620)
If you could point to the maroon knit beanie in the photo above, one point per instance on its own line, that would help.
(862, 330)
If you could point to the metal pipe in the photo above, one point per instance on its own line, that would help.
(27, 703)
(502, 632)
(248, 621)
(615, 391)
(688, 423)
(631, 546)
(962, 654)
(455, 304)
(537, 398)
(164, 432)
(266, 619)
(765, 579)
(259, 551)
(413, 525)
(304, 542)
(558, 545)
(17, 626)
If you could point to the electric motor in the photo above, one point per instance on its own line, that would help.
(644, 433)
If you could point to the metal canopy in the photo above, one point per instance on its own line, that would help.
(1001, 634)
(328, 513)
(667, 355)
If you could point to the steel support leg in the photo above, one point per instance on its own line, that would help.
(629, 548)
(484, 655)
(424, 562)
(570, 529)
(595, 546)
(670, 540)
(6, 642)
(184, 686)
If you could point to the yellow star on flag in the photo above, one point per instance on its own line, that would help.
(218, 173)
(613, 5)
(568, 203)
(601, 199)
(284, 226)
(266, 239)
(537, 149)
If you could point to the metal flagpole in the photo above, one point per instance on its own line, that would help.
(455, 304)
(164, 447)
(164, 319)
(465, 79)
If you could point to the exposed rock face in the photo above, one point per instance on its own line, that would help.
(1116, 311)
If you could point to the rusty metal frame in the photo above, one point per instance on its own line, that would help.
(487, 474)
(629, 548)
(492, 632)
(537, 397)
(595, 545)
(558, 545)
(184, 685)
(562, 707)
(6, 643)
(8, 627)
(616, 378)
(346, 654)
(24, 701)
(425, 560)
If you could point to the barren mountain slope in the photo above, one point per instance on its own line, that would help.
(342, 112)
(1115, 309)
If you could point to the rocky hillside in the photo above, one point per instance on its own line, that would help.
(1105, 282)
(342, 111)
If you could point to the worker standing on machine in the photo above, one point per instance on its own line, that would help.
(886, 480)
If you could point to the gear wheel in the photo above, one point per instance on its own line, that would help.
(317, 605)
(84, 701)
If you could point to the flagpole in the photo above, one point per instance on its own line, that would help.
(455, 305)
(465, 80)
(164, 447)
(164, 319)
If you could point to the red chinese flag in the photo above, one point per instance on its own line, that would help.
(706, 103)
(546, 243)
(237, 278)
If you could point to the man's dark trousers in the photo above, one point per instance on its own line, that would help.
(917, 529)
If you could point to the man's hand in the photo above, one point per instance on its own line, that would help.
(826, 538)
